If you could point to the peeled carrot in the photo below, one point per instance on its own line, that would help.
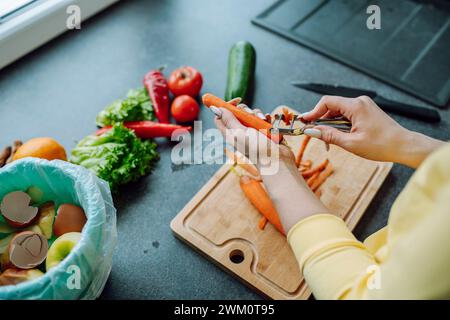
(319, 168)
(247, 119)
(322, 177)
(262, 223)
(301, 151)
(257, 195)
(244, 163)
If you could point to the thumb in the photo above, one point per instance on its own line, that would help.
(328, 135)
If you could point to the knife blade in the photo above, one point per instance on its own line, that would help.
(408, 110)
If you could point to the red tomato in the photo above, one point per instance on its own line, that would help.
(184, 109)
(185, 80)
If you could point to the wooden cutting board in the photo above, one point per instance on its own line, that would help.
(223, 225)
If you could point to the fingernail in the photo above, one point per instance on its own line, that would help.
(315, 133)
(260, 115)
(216, 111)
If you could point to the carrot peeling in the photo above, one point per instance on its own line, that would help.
(262, 223)
(287, 116)
(301, 151)
(312, 179)
(322, 177)
(259, 198)
(319, 168)
(306, 164)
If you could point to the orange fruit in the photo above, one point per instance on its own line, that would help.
(44, 148)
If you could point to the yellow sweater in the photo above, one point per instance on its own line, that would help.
(408, 259)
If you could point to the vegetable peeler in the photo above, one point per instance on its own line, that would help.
(340, 123)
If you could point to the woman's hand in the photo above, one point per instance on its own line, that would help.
(288, 190)
(243, 138)
(374, 134)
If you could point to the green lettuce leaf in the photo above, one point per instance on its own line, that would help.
(136, 106)
(117, 156)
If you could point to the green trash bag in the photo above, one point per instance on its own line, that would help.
(83, 273)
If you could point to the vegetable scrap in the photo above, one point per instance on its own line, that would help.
(301, 151)
(308, 173)
(322, 177)
(262, 223)
(28, 229)
(287, 116)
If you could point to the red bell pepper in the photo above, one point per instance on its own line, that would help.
(158, 90)
(149, 129)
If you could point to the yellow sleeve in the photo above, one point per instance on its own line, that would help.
(330, 257)
(415, 259)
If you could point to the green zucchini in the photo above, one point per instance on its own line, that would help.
(241, 70)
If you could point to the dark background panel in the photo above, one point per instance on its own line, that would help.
(411, 41)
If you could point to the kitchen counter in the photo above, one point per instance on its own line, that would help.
(58, 89)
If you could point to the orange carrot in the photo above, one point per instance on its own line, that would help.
(322, 177)
(247, 119)
(301, 151)
(319, 168)
(244, 163)
(257, 195)
(262, 223)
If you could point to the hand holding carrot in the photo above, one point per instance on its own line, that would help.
(291, 196)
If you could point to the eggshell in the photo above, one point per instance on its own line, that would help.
(15, 208)
(27, 250)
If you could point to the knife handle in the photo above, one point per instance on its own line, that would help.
(416, 112)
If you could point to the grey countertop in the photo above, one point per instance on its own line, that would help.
(58, 89)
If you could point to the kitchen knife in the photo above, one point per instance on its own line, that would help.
(408, 110)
